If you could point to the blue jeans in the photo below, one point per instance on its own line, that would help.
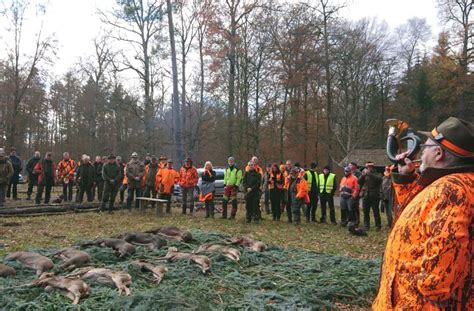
(131, 192)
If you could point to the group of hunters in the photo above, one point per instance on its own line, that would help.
(283, 186)
(428, 261)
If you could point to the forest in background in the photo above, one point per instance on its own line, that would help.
(210, 79)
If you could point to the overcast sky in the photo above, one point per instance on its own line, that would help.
(75, 22)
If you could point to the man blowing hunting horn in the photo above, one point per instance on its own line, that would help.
(428, 259)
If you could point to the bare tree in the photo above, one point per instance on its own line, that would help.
(137, 23)
(458, 15)
(178, 130)
(412, 36)
(234, 11)
(328, 12)
(23, 66)
(96, 68)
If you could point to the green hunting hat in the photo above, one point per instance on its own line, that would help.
(455, 135)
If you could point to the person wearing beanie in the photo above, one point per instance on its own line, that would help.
(232, 180)
(298, 193)
(349, 190)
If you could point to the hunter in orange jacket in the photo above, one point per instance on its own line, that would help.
(298, 195)
(428, 260)
(66, 168)
(188, 177)
(166, 178)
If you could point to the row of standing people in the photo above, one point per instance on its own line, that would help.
(109, 176)
(153, 177)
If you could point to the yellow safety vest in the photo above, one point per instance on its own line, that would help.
(329, 183)
(309, 178)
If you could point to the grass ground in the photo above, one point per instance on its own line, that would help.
(63, 230)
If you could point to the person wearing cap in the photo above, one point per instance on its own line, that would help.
(66, 170)
(327, 188)
(98, 185)
(135, 170)
(85, 178)
(349, 190)
(163, 161)
(232, 180)
(371, 182)
(166, 178)
(112, 175)
(188, 179)
(428, 260)
(46, 172)
(252, 182)
(15, 178)
(386, 195)
(149, 179)
(312, 179)
(32, 178)
(298, 193)
(6, 172)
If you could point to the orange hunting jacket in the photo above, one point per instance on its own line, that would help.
(166, 177)
(428, 260)
(66, 168)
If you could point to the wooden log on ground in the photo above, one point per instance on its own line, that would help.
(46, 209)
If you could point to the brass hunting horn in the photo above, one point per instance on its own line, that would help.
(399, 133)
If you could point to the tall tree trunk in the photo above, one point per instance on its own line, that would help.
(176, 108)
(327, 70)
(232, 64)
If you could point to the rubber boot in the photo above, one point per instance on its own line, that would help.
(234, 209)
(211, 208)
(224, 209)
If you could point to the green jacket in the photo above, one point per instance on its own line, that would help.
(86, 175)
(6, 171)
(111, 171)
(232, 176)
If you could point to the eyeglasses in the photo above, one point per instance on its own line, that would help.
(424, 146)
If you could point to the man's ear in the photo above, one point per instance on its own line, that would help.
(440, 154)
